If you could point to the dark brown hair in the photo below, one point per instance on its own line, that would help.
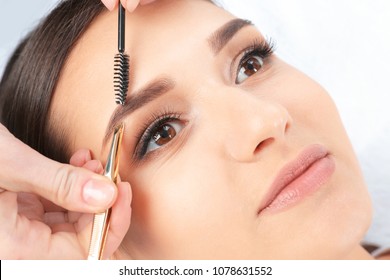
(33, 70)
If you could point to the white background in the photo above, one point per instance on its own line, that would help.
(343, 44)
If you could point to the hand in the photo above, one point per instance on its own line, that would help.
(32, 189)
(130, 5)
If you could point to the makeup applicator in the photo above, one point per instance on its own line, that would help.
(121, 61)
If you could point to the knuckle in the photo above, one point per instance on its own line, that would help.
(64, 182)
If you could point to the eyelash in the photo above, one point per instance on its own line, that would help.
(263, 49)
(149, 128)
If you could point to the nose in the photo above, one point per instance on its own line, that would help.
(255, 123)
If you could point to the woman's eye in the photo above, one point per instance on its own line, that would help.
(248, 66)
(163, 134)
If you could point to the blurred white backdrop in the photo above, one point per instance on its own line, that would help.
(343, 44)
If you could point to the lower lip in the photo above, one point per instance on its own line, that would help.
(306, 184)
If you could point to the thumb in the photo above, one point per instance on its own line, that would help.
(76, 189)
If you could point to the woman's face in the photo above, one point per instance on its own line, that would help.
(233, 154)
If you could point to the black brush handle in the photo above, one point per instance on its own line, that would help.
(121, 28)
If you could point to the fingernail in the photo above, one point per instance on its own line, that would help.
(110, 4)
(95, 166)
(131, 5)
(98, 193)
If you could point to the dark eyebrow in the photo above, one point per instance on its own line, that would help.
(224, 34)
(217, 40)
(137, 99)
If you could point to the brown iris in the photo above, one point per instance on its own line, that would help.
(252, 65)
(164, 134)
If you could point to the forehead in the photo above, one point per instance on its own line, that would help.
(171, 30)
(155, 36)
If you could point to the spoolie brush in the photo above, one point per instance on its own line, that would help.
(121, 61)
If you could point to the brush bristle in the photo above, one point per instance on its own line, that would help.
(121, 77)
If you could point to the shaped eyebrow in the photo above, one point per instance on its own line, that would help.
(136, 100)
(155, 89)
(225, 33)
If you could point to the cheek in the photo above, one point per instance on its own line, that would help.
(309, 104)
(347, 212)
(175, 203)
(188, 208)
(315, 117)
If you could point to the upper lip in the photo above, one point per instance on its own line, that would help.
(292, 170)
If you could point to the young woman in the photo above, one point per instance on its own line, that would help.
(230, 152)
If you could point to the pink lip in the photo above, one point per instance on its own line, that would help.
(299, 178)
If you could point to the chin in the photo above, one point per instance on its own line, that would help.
(329, 225)
(349, 220)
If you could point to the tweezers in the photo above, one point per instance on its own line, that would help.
(101, 221)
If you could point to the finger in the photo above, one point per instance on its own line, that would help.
(120, 219)
(110, 4)
(83, 158)
(60, 217)
(8, 211)
(25, 170)
(54, 218)
(71, 222)
(80, 157)
(76, 189)
(49, 206)
(94, 166)
(119, 222)
(130, 5)
(30, 206)
(8, 218)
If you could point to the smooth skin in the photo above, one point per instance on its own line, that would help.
(198, 195)
(43, 202)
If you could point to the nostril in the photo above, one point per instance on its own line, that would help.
(263, 144)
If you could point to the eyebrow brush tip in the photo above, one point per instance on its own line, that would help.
(121, 77)
(121, 61)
